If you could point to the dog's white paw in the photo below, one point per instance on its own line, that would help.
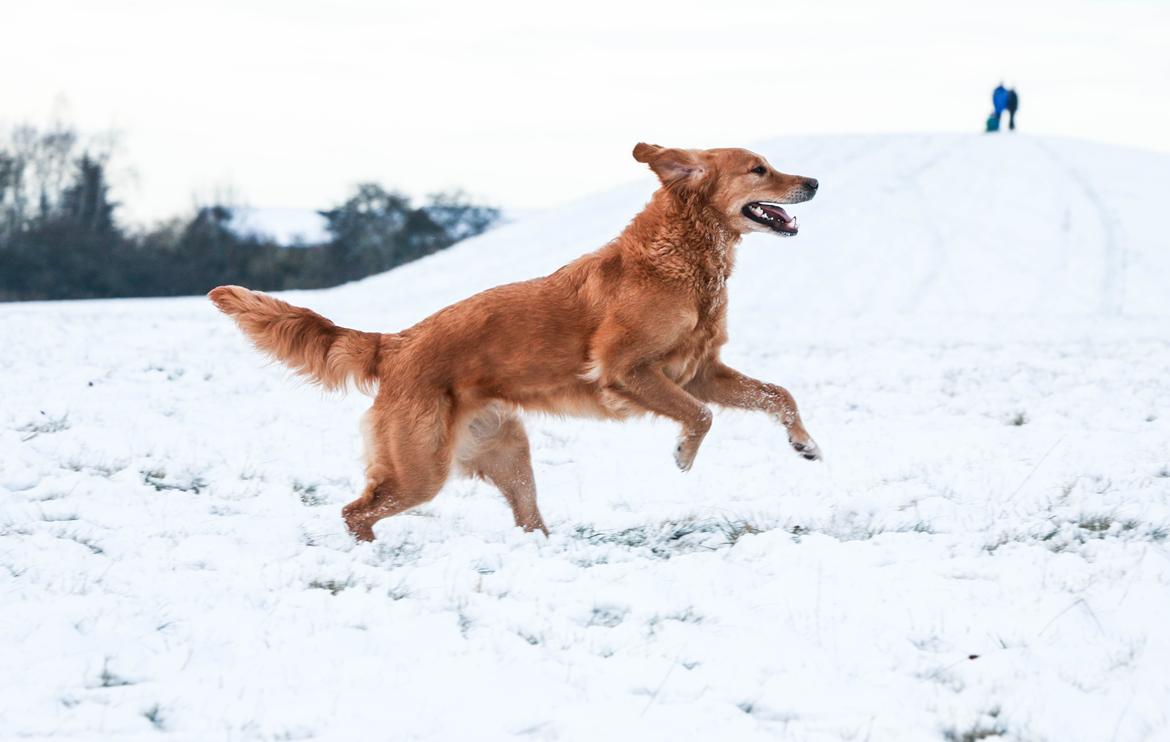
(807, 448)
(684, 455)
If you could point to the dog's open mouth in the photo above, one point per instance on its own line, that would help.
(771, 214)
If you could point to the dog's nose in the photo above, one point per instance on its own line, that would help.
(811, 184)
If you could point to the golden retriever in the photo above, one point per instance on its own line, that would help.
(633, 328)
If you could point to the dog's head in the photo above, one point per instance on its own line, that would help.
(738, 183)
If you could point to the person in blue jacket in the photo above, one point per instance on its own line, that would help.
(999, 98)
(1013, 104)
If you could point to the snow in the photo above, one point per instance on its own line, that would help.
(288, 226)
(975, 328)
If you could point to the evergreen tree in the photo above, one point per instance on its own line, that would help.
(86, 203)
(366, 232)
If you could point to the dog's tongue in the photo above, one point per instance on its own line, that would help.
(776, 212)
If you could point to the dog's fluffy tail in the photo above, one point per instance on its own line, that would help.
(303, 340)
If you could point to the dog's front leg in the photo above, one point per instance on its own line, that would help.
(649, 388)
(722, 385)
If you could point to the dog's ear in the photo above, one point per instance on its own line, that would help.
(674, 167)
(643, 152)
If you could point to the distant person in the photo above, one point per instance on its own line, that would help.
(999, 99)
(1013, 102)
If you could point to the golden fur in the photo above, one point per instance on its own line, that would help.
(632, 328)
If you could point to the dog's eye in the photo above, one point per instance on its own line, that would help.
(759, 170)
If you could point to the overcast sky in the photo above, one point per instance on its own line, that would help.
(528, 104)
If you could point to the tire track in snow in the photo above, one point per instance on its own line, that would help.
(937, 255)
(1115, 259)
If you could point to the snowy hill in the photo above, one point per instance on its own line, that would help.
(977, 330)
(908, 224)
(288, 226)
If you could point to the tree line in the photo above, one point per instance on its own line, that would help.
(60, 237)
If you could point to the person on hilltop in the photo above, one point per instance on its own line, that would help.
(999, 99)
(1013, 103)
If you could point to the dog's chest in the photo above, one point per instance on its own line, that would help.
(702, 343)
(711, 283)
(697, 348)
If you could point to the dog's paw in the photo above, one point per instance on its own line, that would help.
(690, 440)
(807, 448)
(684, 454)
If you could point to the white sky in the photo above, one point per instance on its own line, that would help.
(529, 104)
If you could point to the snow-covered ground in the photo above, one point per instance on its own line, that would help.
(977, 330)
(288, 226)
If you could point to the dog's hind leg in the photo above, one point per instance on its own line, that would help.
(359, 514)
(408, 451)
(494, 446)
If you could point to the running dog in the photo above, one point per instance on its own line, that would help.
(633, 328)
